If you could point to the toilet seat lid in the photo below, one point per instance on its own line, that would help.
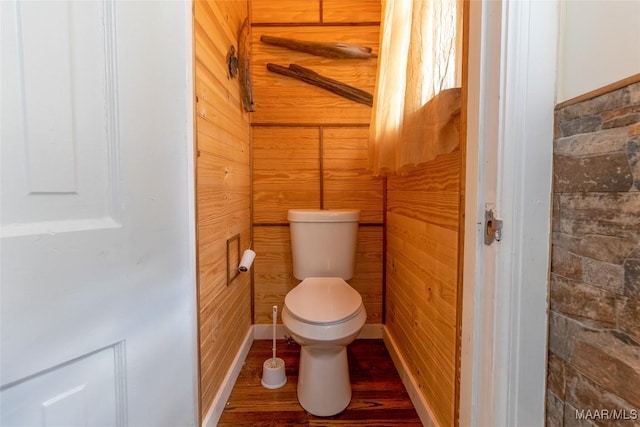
(323, 300)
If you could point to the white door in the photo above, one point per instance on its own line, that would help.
(97, 276)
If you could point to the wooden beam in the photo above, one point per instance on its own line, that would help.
(328, 50)
(309, 76)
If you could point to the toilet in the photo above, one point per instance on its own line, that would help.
(323, 313)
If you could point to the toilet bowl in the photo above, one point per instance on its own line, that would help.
(324, 315)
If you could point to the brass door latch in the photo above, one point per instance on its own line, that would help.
(492, 227)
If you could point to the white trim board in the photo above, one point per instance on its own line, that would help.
(191, 185)
(512, 76)
(410, 383)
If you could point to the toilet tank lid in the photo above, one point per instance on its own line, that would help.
(323, 215)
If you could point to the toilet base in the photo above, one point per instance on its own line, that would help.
(324, 387)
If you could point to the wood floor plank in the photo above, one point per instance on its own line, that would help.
(378, 395)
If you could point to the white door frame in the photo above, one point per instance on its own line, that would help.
(512, 75)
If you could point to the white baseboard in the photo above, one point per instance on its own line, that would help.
(265, 331)
(219, 402)
(422, 407)
(371, 331)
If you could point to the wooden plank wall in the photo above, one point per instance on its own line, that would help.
(223, 198)
(309, 145)
(421, 286)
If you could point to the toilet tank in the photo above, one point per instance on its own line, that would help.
(323, 242)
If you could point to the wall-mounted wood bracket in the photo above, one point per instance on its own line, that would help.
(309, 76)
(233, 258)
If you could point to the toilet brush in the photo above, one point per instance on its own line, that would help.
(273, 373)
(273, 346)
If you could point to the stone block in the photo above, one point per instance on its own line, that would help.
(563, 240)
(611, 360)
(565, 263)
(606, 102)
(625, 111)
(632, 274)
(621, 121)
(582, 302)
(604, 214)
(558, 335)
(554, 411)
(563, 332)
(634, 90)
(556, 214)
(604, 275)
(601, 142)
(628, 313)
(633, 154)
(600, 172)
(634, 129)
(555, 375)
(579, 125)
(571, 419)
(583, 393)
(607, 249)
(557, 118)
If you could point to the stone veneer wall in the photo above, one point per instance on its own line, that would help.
(594, 324)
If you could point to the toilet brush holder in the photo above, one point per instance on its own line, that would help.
(273, 374)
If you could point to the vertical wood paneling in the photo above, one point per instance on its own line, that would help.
(422, 277)
(285, 171)
(334, 11)
(430, 194)
(367, 278)
(273, 270)
(280, 99)
(223, 193)
(347, 181)
(284, 11)
(299, 161)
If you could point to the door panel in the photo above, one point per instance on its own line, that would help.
(72, 394)
(55, 186)
(63, 108)
(97, 268)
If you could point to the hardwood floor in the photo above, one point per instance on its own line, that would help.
(379, 397)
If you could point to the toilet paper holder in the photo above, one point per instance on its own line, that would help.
(237, 264)
(233, 258)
